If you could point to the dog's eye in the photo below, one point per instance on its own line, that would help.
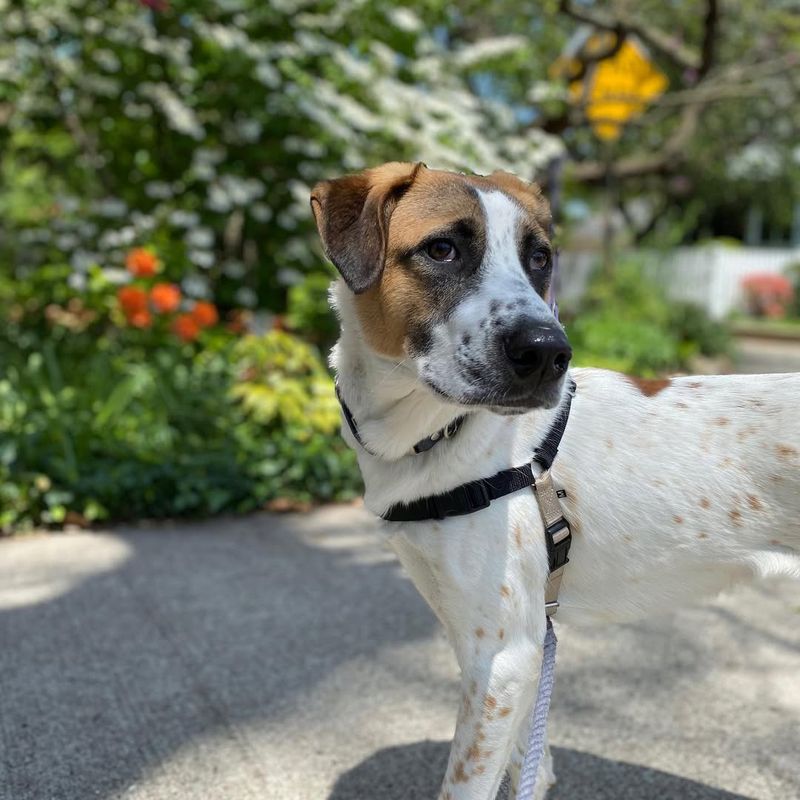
(539, 259)
(442, 250)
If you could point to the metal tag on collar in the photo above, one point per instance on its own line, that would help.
(451, 429)
(448, 432)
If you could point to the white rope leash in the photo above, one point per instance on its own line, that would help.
(533, 758)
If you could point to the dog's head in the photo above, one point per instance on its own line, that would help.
(452, 273)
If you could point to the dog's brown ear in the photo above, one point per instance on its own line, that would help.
(352, 215)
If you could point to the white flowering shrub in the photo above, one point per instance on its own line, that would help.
(198, 127)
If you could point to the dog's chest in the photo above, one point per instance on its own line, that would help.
(482, 574)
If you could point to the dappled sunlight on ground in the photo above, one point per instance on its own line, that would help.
(33, 570)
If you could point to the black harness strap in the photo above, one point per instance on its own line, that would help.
(475, 495)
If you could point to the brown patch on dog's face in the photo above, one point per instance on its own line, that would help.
(397, 312)
(399, 308)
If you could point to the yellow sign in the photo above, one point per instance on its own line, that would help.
(616, 89)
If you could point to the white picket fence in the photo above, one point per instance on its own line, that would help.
(710, 276)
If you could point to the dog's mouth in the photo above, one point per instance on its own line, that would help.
(506, 400)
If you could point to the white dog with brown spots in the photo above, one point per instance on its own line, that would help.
(674, 489)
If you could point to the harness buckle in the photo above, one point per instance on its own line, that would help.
(559, 540)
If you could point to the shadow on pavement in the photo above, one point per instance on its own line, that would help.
(413, 772)
(188, 638)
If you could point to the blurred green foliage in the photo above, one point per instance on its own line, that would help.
(626, 322)
(309, 309)
(793, 271)
(100, 421)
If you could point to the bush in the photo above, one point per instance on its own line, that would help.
(100, 419)
(309, 309)
(627, 324)
(768, 295)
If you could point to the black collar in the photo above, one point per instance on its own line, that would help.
(476, 495)
(422, 446)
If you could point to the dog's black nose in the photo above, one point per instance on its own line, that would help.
(533, 349)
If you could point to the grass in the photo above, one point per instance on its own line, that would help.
(773, 328)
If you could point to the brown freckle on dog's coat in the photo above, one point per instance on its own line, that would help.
(474, 753)
(501, 634)
(702, 535)
(505, 591)
(504, 712)
(776, 542)
(681, 405)
(695, 385)
(650, 387)
(480, 769)
(745, 432)
(786, 451)
(518, 536)
(722, 421)
(459, 776)
(754, 502)
(736, 517)
(705, 503)
(678, 520)
(480, 633)
(490, 703)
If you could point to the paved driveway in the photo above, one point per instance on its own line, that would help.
(288, 657)
(758, 354)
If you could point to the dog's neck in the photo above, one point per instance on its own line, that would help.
(392, 409)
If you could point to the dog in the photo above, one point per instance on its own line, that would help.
(674, 489)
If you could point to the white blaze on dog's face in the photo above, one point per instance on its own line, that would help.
(451, 272)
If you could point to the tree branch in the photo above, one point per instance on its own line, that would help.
(708, 48)
(668, 158)
(679, 54)
(589, 59)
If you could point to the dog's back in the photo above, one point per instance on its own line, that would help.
(705, 461)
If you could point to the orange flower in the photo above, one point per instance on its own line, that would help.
(140, 319)
(185, 328)
(205, 314)
(142, 263)
(165, 297)
(132, 299)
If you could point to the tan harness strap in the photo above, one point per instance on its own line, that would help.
(553, 518)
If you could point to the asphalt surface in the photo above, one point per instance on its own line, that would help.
(288, 657)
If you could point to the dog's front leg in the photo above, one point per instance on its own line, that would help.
(500, 670)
